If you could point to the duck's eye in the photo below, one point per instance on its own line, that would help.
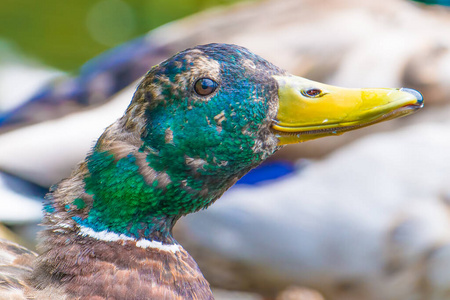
(205, 86)
(312, 93)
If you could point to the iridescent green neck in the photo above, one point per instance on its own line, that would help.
(143, 193)
(123, 201)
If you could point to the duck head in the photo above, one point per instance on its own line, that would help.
(197, 123)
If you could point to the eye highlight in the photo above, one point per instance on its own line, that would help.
(205, 86)
(312, 93)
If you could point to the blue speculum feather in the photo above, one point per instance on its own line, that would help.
(266, 172)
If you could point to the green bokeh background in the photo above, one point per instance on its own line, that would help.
(65, 34)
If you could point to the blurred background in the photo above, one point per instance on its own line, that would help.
(66, 35)
(360, 216)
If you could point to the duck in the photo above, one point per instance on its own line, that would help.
(197, 122)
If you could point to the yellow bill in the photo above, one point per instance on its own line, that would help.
(309, 110)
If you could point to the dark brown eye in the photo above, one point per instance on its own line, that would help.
(205, 86)
(312, 93)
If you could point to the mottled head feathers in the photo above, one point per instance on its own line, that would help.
(197, 123)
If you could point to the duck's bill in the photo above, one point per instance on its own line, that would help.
(309, 110)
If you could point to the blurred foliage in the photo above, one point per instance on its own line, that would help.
(67, 33)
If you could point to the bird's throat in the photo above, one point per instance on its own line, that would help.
(124, 196)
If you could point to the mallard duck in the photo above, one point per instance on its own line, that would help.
(197, 123)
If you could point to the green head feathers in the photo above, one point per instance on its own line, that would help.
(197, 123)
